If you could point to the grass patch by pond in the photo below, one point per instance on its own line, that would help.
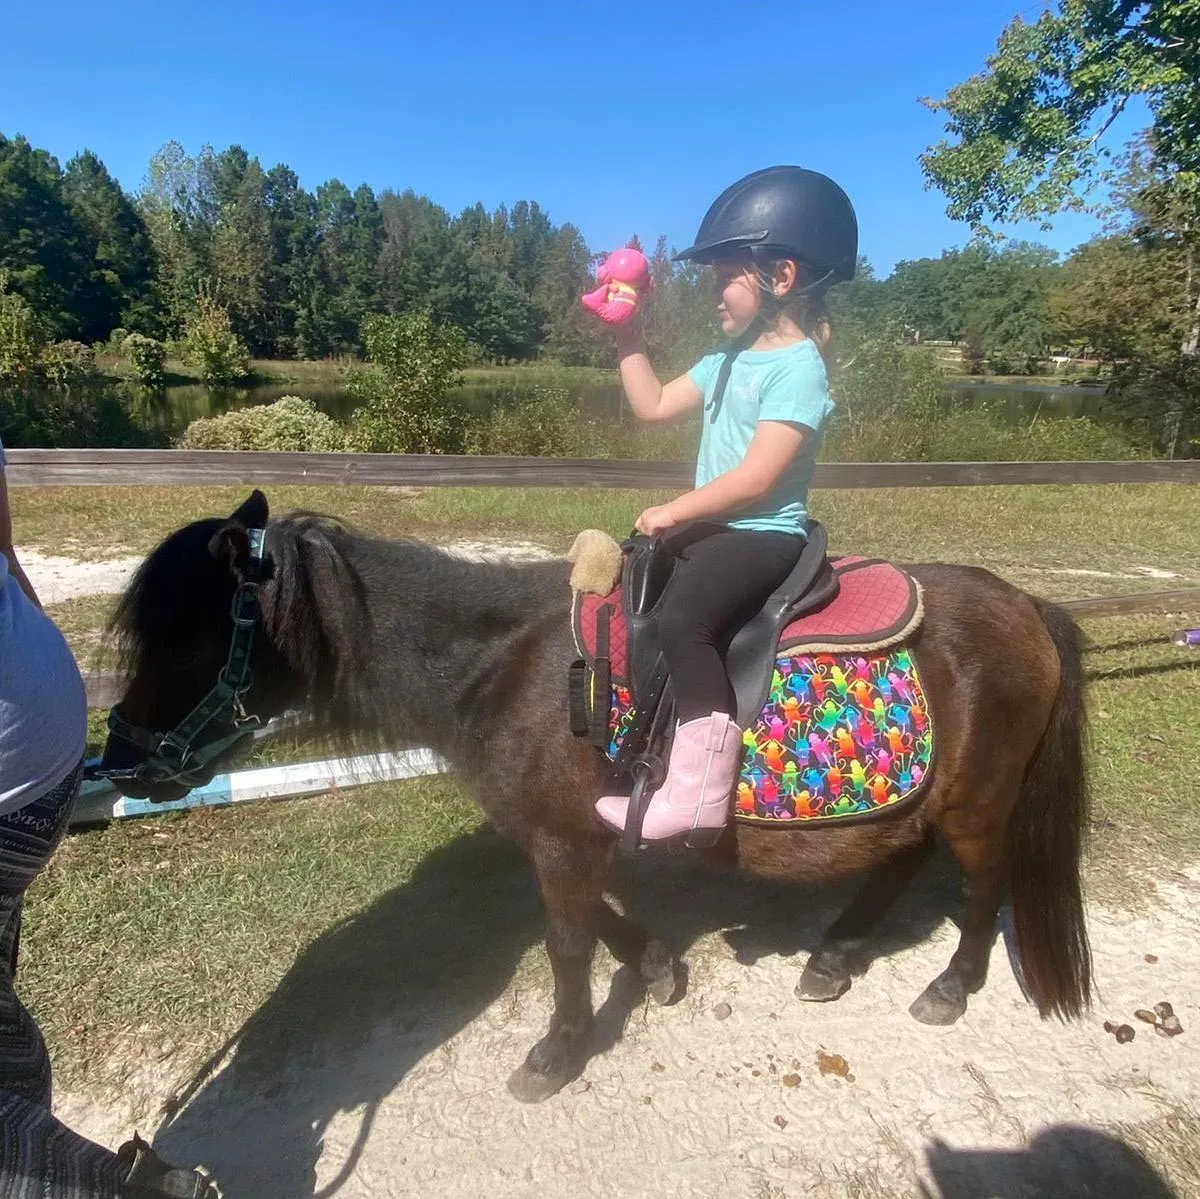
(324, 372)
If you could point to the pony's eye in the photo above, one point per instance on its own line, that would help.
(182, 659)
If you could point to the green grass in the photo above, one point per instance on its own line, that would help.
(324, 372)
(1144, 707)
(182, 925)
(1106, 528)
(82, 621)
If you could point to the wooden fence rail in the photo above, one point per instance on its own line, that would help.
(251, 467)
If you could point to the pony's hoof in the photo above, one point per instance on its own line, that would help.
(815, 986)
(934, 1006)
(663, 973)
(527, 1085)
(552, 1063)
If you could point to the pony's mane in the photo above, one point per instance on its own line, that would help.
(346, 611)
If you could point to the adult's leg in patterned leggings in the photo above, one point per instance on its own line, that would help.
(40, 1157)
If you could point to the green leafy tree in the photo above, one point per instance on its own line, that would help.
(242, 245)
(336, 215)
(1114, 298)
(1164, 208)
(210, 344)
(22, 338)
(997, 296)
(1025, 139)
(177, 208)
(563, 275)
(679, 317)
(43, 248)
(120, 282)
(405, 406)
(1027, 133)
(857, 308)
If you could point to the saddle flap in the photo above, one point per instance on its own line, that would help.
(646, 568)
(751, 655)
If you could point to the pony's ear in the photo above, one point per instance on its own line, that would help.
(230, 545)
(253, 513)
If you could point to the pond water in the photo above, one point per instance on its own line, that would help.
(168, 414)
(158, 418)
(602, 400)
(1023, 401)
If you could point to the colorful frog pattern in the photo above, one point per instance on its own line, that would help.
(841, 735)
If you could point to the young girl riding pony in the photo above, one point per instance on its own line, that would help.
(776, 240)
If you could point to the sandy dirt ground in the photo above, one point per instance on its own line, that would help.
(377, 1067)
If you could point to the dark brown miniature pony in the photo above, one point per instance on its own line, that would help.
(385, 643)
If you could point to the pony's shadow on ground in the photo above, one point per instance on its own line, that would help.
(1065, 1161)
(369, 998)
(376, 993)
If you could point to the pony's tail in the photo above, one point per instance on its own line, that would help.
(1045, 842)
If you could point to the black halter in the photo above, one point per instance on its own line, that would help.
(169, 757)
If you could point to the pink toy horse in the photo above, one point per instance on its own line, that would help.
(622, 276)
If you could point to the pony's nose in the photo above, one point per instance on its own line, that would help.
(154, 792)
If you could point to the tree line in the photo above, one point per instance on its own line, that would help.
(299, 272)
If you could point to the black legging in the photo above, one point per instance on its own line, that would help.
(722, 578)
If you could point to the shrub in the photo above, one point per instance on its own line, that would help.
(147, 357)
(405, 408)
(21, 337)
(210, 344)
(115, 343)
(94, 413)
(291, 423)
(547, 423)
(68, 364)
(543, 424)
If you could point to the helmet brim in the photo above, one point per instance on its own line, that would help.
(705, 252)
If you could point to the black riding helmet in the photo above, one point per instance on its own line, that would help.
(799, 212)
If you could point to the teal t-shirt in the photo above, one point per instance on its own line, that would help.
(784, 385)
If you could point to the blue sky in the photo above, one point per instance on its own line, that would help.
(621, 118)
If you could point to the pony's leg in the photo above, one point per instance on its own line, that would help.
(842, 952)
(570, 877)
(659, 968)
(981, 855)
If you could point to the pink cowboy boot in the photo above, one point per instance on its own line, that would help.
(693, 802)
